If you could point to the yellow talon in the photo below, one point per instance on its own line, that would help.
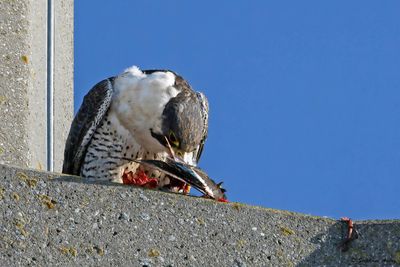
(186, 189)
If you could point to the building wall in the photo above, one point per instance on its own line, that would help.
(24, 81)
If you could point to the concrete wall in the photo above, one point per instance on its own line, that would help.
(23, 81)
(52, 220)
(63, 76)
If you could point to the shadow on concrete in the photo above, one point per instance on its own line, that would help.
(366, 250)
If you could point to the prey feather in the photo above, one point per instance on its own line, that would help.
(188, 174)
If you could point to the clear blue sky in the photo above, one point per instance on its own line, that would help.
(304, 95)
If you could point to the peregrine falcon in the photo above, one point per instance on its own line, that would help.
(137, 115)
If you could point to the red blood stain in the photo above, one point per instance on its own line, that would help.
(139, 178)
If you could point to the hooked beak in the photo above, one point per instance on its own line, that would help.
(179, 156)
(187, 158)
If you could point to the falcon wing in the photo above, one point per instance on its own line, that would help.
(204, 112)
(92, 111)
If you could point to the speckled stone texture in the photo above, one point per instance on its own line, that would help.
(23, 80)
(63, 76)
(13, 83)
(48, 219)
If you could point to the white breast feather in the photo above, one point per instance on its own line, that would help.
(139, 101)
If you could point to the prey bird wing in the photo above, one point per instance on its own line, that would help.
(92, 111)
(188, 174)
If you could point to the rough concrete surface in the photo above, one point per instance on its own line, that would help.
(13, 83)
(49, 219)
(63, 76)
(23, 80)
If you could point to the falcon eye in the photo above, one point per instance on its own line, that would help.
(173, 140)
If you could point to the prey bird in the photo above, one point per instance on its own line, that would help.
(139, 116)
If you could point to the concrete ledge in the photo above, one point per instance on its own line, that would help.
(48, 219)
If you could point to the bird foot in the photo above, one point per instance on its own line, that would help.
(178, 187)
(352, 234)
(186, 189)
(139, 178)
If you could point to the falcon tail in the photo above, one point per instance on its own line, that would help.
(188, 174)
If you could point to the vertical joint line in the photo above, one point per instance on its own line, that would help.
(50, 85)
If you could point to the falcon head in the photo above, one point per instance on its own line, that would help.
(182, 126)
